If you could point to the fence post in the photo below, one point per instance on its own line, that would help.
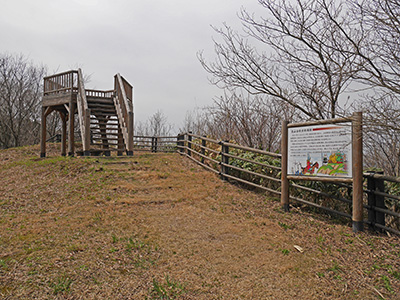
(152, 144)
(43, 134)
(357, 154)
(88, 136)
(284, 164)
(190, 143)
(179, 143)
(375, 184)
(224, 159)
(155, 144)
(203, 151)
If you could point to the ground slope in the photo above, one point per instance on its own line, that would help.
(157, 226)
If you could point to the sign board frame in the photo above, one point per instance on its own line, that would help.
(320, 150)
(356, 178)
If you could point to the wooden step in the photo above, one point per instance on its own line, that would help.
(103, 118)
(108, 138)
(102, 109)
(103, 115)
(104, 122)
(98, 135)
(99, 129)
(96, 100)
(100, 105)
(119, 146)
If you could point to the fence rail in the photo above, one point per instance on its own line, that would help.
(260, 169)
(155, 143)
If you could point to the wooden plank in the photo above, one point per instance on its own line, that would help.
(251, 172)
(59, 99)
(277, 155)
(320, 207)
(60, 74)
(320, 178)
(383, 177)
(254, 162)
(320, 122)
(203, 138)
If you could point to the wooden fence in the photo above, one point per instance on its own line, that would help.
(261, 169)
(155, 143)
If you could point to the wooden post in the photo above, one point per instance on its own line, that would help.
(190, 143)
(358, 224)
(224, 159)
(152, 143)
(203, 151)
(86, 138)
(43, 134)
(120, 142)
(375, 217)
(71, 127)
(129, 151)
(63, 134)
(155, 143)
(284, 165)
(179, 142)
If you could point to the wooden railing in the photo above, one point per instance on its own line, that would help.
(124, 106)
(61, 83)
(155, 143)
(261, 169)
(99, 94)
(383, 205)
(83, 113)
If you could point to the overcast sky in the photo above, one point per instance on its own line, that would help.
(152, 43)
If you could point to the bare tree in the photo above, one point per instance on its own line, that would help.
(196, 121)
(249, 120)
(374, 39)
(155, 125)
(20, 100)
(299, 64)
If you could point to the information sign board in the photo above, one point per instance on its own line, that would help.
(320, 150)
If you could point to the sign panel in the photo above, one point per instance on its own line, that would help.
(320, 150)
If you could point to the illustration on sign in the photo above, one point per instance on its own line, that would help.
(320, 150)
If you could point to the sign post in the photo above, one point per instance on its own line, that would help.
(358, 224)
(325, 150)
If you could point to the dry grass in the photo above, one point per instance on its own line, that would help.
(156, 226)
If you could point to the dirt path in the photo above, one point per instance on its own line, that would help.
(157, 224)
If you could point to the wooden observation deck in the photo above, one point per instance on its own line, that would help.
(105, 117)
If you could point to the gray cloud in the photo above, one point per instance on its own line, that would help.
(151, 43)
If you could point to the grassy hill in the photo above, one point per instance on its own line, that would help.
(157, 226)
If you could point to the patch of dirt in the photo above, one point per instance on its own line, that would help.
(157, 225)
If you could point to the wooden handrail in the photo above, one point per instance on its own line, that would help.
(83, 112)
(60, 74)
(124, 108)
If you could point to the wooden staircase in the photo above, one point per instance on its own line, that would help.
(105, 117)
(105, 129)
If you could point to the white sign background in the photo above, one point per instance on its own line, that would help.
(317, 150)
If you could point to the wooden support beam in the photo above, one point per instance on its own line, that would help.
(63, 134)
(71, 126)
(86, 131)
(284, 164)
(357, 154)
(120, 141)
(43, 134)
